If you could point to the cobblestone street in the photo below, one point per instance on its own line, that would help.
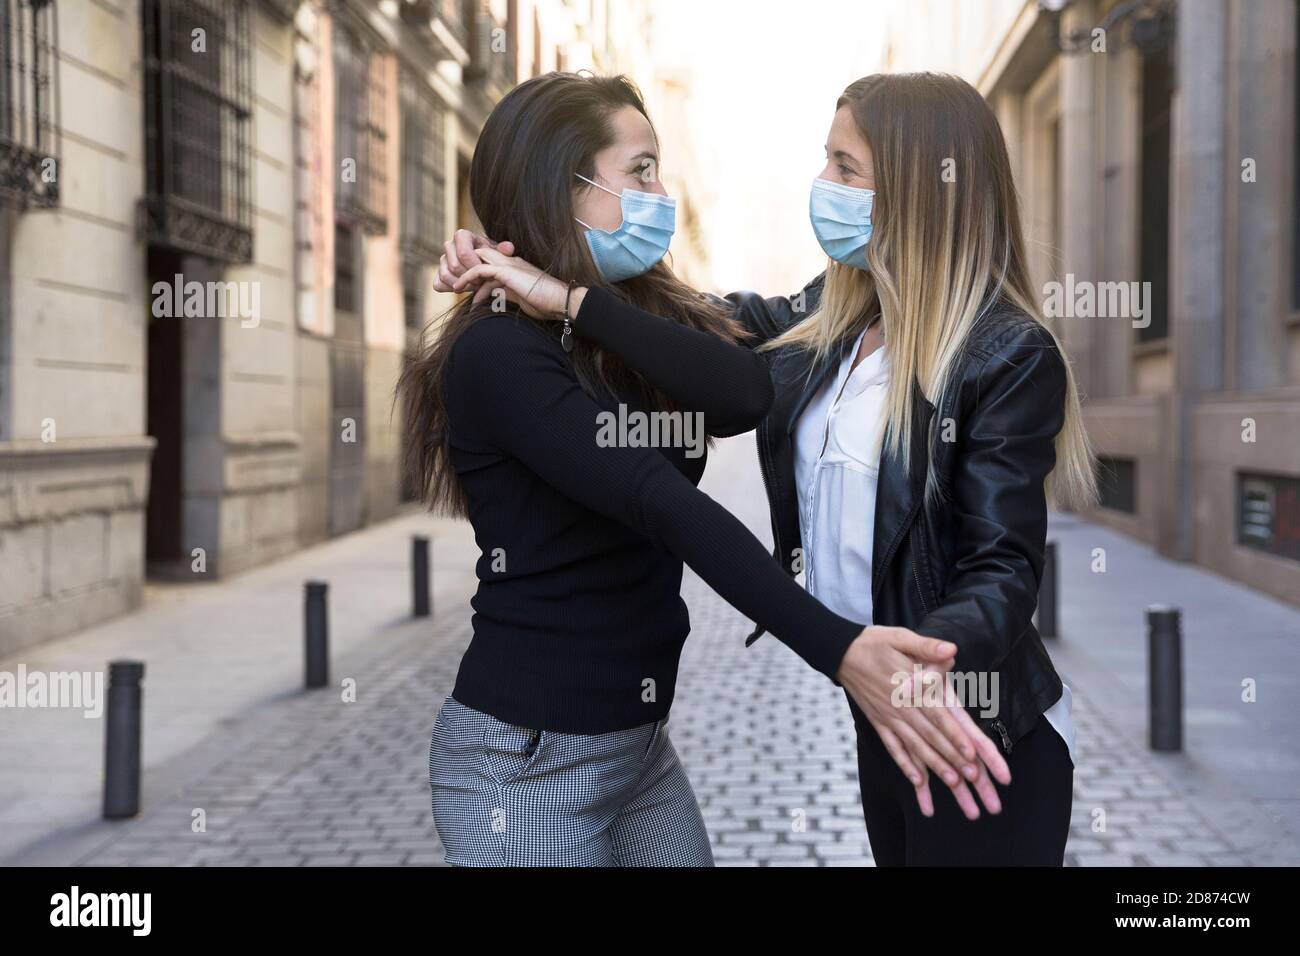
(306, 779)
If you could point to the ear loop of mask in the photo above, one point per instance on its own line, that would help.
(598, 186)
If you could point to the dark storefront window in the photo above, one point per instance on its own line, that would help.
(1117, 484)
(198, 109)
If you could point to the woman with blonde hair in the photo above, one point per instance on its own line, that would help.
(923, 417)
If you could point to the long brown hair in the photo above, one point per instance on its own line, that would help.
(521, 183)
(943, 251)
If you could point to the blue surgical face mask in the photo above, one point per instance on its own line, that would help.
(640, 241)
(841, 218)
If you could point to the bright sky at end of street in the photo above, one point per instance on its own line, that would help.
(764, 78)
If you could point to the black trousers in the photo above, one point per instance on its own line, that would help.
(1031, 830)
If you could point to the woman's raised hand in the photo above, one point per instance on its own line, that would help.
(538, 294)
(928, 735)
(460, 254)
(473, 263)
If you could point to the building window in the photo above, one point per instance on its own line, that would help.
(360, 137)
(1157, 99)
(423, 185)
(345, 269)
(198, 108)
(1268, 514)
(29, 104)
(1117, 484)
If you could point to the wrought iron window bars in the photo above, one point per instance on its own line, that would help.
(30, 135)
(198, 109)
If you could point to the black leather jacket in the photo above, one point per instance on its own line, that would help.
(964, 567)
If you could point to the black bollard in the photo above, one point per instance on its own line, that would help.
(1047, 623)
(420, 576)
(1165, 677)
(122, 740)
(316, 621)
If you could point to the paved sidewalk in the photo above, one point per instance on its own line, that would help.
(1240, 769)
(222, 660)
(286, 777)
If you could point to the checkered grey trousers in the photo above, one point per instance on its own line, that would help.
(510, 796)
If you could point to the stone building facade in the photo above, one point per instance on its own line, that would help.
(217, 224)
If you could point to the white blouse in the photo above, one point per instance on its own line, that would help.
(836, 467)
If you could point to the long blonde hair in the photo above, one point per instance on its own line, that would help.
(946, 244)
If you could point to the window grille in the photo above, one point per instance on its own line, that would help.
(198, 110)
(423, 189)
(29, 104)
(360, 138)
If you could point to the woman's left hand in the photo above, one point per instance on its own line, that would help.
(936, 735)
(910, 755)
(538, 294)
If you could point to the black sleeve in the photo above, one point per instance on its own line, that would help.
(999, 504)
(766, 318)
(701, 372)
(518, 394)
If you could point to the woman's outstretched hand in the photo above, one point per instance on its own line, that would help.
(928, 736)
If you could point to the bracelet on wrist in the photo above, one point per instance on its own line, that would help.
(566, 337)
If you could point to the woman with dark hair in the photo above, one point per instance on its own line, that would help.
(924, 415)
(552, 748)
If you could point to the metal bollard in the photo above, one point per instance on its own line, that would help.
(1047, 622)
(122, 740)
(1165, 677)
(420, 576)
(316, 626)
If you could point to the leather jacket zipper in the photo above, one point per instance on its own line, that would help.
(920, 591)
(1001, 728)
(878, 572)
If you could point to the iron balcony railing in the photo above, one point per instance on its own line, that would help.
(424, 13)
(491, 61)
